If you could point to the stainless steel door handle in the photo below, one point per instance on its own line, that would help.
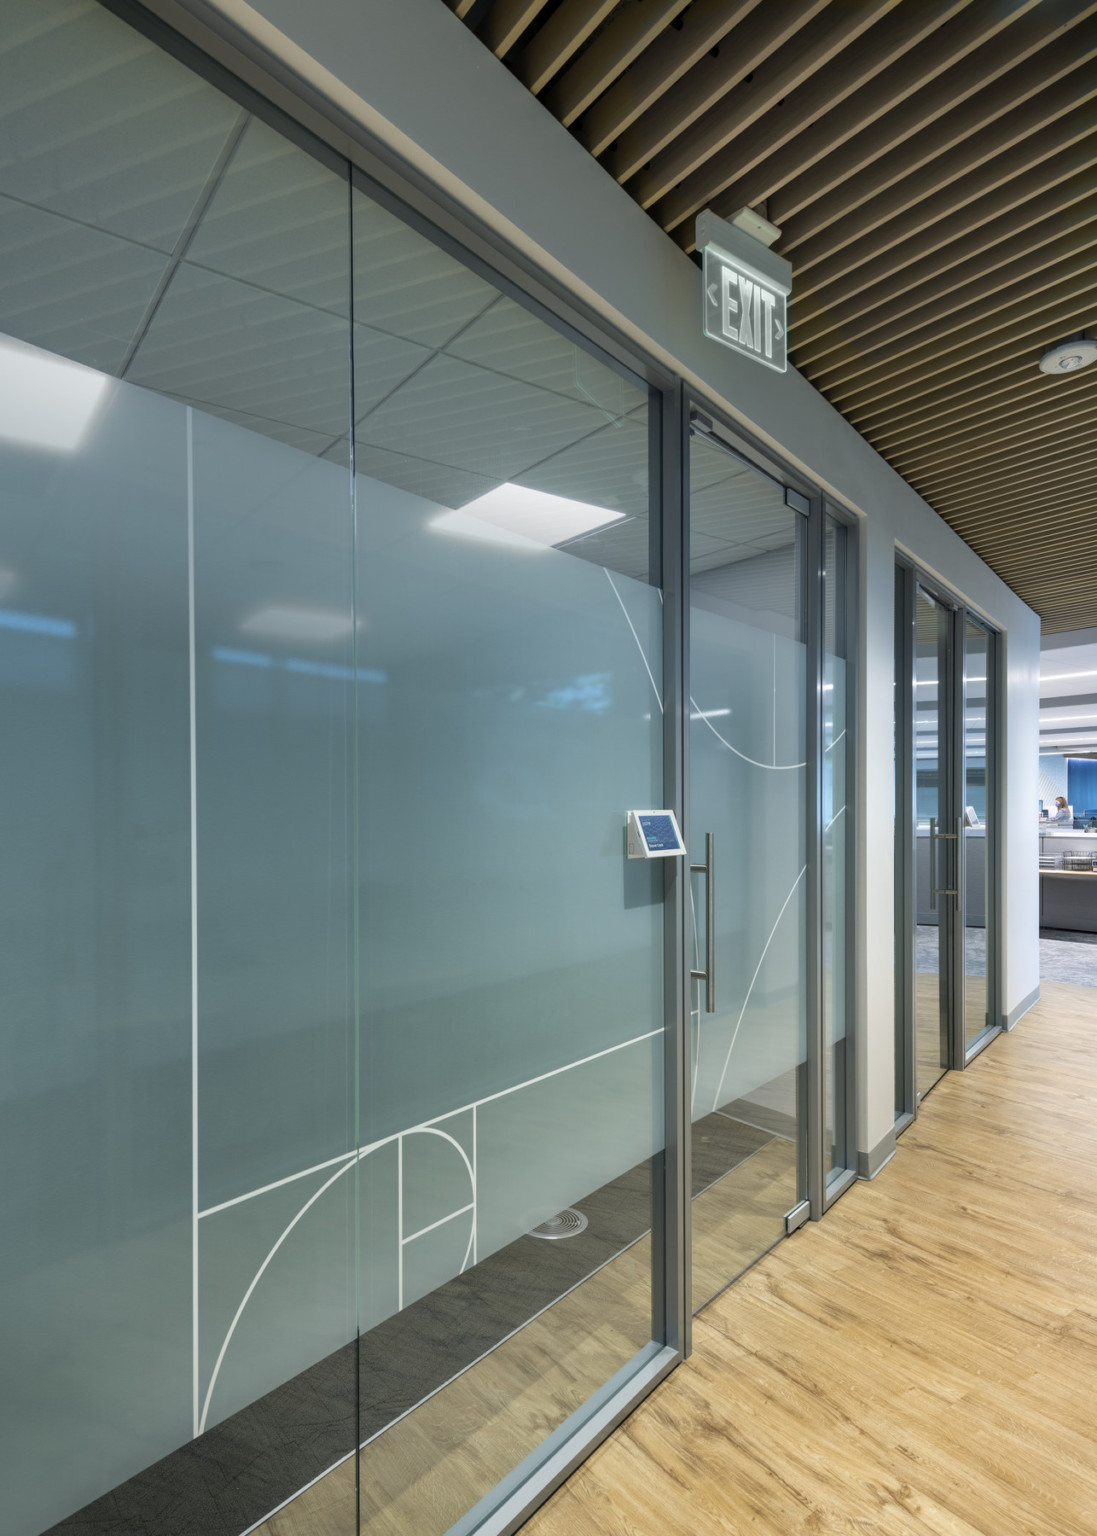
(936, 890)
(708, 976)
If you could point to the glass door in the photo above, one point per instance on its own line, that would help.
(748, 847)
(946, 950)
(935, 840)
(978, 829)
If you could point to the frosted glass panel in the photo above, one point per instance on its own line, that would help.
(324, 975)
(511, 957)
(94, 950)
(747, 743)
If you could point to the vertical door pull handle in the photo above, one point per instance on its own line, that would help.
(936, 837)
(708, 976)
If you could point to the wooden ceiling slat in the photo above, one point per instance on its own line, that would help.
(692, 165)
(660, 66)
(768, 162)
(1012, 469)
(921, 408)
(461, 8)
(1000, 321)
(939, 257)
(506, 21)
(1037, 565)
(1028, 391)
(620, 44)
(966, 441)
(672, 117)
(561, 37)
(994, 49)
(989, 125)
(1001, 338)
(992, 512)
(1000, 516)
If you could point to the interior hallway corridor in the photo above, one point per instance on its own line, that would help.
(924, 1360)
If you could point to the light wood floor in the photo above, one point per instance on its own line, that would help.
(923, 1361)
(424, 1472)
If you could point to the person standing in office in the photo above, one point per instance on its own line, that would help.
(1061, 813)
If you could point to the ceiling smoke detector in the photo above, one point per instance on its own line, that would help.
(1069, 356)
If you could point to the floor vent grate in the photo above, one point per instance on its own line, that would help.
(567, 1223)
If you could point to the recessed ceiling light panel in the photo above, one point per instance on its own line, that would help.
(1069, 356)
(316, 625)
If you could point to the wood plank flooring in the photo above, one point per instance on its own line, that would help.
(424, 1472)
(923, 1361)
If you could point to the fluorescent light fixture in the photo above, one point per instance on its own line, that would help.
(1050, 723)
(241, 658)
(297, 664)
(46, 401)
(37, 624)
(1063, 677)
(315, 625)
(520, 518)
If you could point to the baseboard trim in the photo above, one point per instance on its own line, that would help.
(1015, 1015)
(870, 1163)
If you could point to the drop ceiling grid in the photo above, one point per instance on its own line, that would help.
(933, 168)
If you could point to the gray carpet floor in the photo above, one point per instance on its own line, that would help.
(1070, 957)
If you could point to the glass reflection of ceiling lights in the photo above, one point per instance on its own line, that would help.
(9, 580)
(46, 401)
(520, 518)
(317, 626)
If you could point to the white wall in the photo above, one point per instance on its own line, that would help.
(415, 77)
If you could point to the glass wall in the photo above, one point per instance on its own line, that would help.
(978, 825)
(935, 840)
(332, 1056)
(748, 793)
(836, 835)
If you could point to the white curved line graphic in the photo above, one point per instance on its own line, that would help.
(778, 767)
(750, 989)
(430, 1130)
(419, 1130)
(636, 637)
(258, 1276)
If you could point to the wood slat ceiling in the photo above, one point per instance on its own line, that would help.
(932, 166)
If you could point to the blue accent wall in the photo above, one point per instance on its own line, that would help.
(1082, 784)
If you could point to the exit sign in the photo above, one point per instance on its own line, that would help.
(746, 287)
